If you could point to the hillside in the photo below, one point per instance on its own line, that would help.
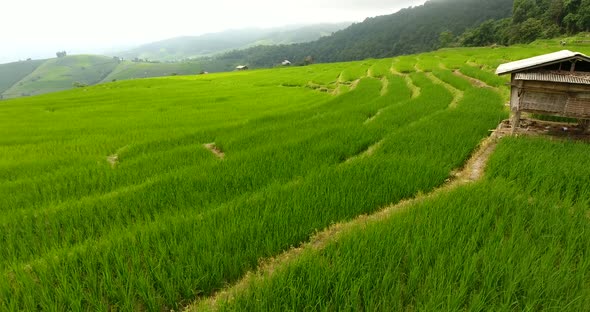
(12, 73)
(150, 194)
(209, 44)
(45, 76)
(61, 73)
(408, 31)
(131, 70)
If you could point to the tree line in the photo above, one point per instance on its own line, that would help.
(531, 20)
(411, 30)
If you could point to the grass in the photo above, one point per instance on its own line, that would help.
(131, 70)
(61, 73)
(11, 73)
(44, 76)
(457, 251)
(90, 235)
(169, 222)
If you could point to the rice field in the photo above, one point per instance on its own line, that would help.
(517, 240)
(150, 194)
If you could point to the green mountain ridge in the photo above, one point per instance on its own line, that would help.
(29, 78)
(411, 30)
(180, 48)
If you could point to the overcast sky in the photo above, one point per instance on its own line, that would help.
(39, 28)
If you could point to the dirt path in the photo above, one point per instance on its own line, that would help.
(416, 91)
(457, 94)
(367, 153)
(384, 86)
(370, 119)
(471, 172)
(113, 160)
(476, 82)
(215, 150)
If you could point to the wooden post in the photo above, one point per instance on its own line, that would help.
(515, 96)
(584, 124)
(515, 121)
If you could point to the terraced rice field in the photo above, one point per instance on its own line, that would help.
(151, 194)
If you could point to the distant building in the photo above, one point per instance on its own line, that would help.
(552, 84)
(286, 63)
(242, 67)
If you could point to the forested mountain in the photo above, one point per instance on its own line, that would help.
(410, 30)
(195, 46)
(531, 20)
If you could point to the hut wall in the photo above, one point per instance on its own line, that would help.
(561, 99)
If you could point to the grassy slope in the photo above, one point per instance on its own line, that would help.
(11, 73)
(80, 233)
(131, 70)
(60, 74)
(285, 148)
(519, 240)
(24, 79)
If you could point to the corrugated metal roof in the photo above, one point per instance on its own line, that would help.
(552, 78)
(540, 61)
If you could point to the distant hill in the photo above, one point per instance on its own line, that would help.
(62, 73)
(132, 70)
(12, 73)
(411, 30)
(37, 77)
(206, 45)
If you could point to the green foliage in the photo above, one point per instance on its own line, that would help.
(445, 39)
(126, 209)
(110, 200)
(12, 73)
(61, 73)
(44, 76)
(408, 31)
(532, 20)
(516, 241)
(132, 70)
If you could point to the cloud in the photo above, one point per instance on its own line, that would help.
(36, 25)
(363, 4)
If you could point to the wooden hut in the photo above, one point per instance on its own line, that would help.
(555, 84)
(242, 67)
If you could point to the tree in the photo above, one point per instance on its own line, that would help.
(445, 39)
(529, 31)
(556, 11)
(484, 34)
(61, 54)
(583, 20)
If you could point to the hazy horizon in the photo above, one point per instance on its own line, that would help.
(38, 29)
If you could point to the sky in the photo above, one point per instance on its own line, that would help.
(39, 28)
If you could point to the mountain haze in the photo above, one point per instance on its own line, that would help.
(208, 44)
(411, 30)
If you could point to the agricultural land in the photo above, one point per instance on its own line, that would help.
(325, 187)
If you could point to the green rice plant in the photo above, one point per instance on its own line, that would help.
(428, 62)
(355, 71)
(92, 234)
(456, 251)
(487, 77)
(381, 68)
(452, 79)
(405, 64)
